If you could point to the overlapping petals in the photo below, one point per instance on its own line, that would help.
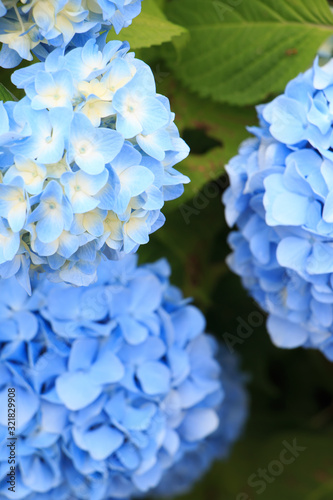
(87, 161)
(195, 461)
(281, 198)
(37, 26)
(115, 383)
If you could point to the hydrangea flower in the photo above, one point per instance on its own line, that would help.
(115, 383)
(281, 199)
(87, 160)
(40, 25)
(196, 461)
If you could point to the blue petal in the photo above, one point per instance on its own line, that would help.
(154, 377)
(286, 334)
(133, 331)
(76, 390)
(83, 354)
(198, 424)
(107, 369)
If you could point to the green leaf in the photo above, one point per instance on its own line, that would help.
(5, 94)
(195, 220)
(223, 125)
(151, 27)
(187, 243)
(243, 50)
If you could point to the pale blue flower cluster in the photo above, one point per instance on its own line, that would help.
(114, 383)
(281, 198)
(39, 26)
(196, 461)
(87, 161)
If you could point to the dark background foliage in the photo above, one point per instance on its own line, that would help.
(291, 391)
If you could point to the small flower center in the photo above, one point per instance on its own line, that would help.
(84, 147)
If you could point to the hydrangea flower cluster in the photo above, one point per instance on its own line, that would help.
(39, 26)
(87, 162)
(115, 382)
(196, 461)
(281, 198)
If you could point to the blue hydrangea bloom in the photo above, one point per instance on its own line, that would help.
(196, 461)
(38, 26)
(114, 383)
(87, 161)
(281, 199)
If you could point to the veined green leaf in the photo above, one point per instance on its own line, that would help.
(243, 50)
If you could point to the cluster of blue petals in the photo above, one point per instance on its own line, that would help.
(196, 460)
(39, 26)
(86, 160)
(281, 199)
(114, 384)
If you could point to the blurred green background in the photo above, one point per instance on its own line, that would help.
(291, 392)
